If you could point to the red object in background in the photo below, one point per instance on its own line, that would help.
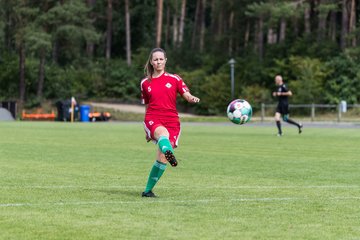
(38, 116)
(99, 116)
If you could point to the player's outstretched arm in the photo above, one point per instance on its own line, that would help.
(288, 93)
(190, 98)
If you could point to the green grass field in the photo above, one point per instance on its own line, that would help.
(83, 181)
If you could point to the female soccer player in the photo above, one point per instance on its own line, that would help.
(158, 92)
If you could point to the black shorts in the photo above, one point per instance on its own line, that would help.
(282, 109)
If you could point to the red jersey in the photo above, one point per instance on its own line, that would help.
(160, 93)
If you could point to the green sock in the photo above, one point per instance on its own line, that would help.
(155, 174)
(164, 144)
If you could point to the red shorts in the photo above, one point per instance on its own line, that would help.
(172, 125)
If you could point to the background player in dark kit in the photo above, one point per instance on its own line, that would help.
(282, 108)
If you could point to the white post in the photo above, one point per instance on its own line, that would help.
(262, 112)
(312, 112)
(232, 63)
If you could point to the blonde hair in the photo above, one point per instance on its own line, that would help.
(149, 69)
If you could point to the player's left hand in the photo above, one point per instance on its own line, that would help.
(194, 99)
(190, 98)
(275, 94)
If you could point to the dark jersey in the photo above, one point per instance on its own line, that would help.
(283, 100)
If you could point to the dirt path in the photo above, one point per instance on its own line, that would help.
(128, 108)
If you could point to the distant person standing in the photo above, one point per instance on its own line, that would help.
(282, 108)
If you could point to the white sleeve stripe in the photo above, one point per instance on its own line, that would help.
(176, 77)
(142, 81)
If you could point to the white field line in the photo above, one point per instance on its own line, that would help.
(155, 201)
(182, 187)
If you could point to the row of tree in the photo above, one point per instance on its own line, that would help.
(96, 48)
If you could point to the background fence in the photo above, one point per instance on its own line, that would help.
(331, 112)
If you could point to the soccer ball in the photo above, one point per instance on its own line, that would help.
(239, 111)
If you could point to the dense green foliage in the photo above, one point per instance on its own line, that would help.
(65, 44)
(58, 182)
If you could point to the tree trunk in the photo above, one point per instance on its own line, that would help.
(352, 24)
(213, 16)
(271, 36)
(167, 28)
(197, 13)
(231, 26)
(22, 73)
(344, 25)
(307, 23)
(220, 24)
(42, 58)
(175, 30)
(321, 26)
(159, 16)
(332, 28)
(7, 30)
(39, 93)
(108, 30)
(55, 51)
(202, 29)
(283, 25)
(182, 22)
(128, 35)
(90, 46)
(247, 34)
(295, 22)
(260, 38)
